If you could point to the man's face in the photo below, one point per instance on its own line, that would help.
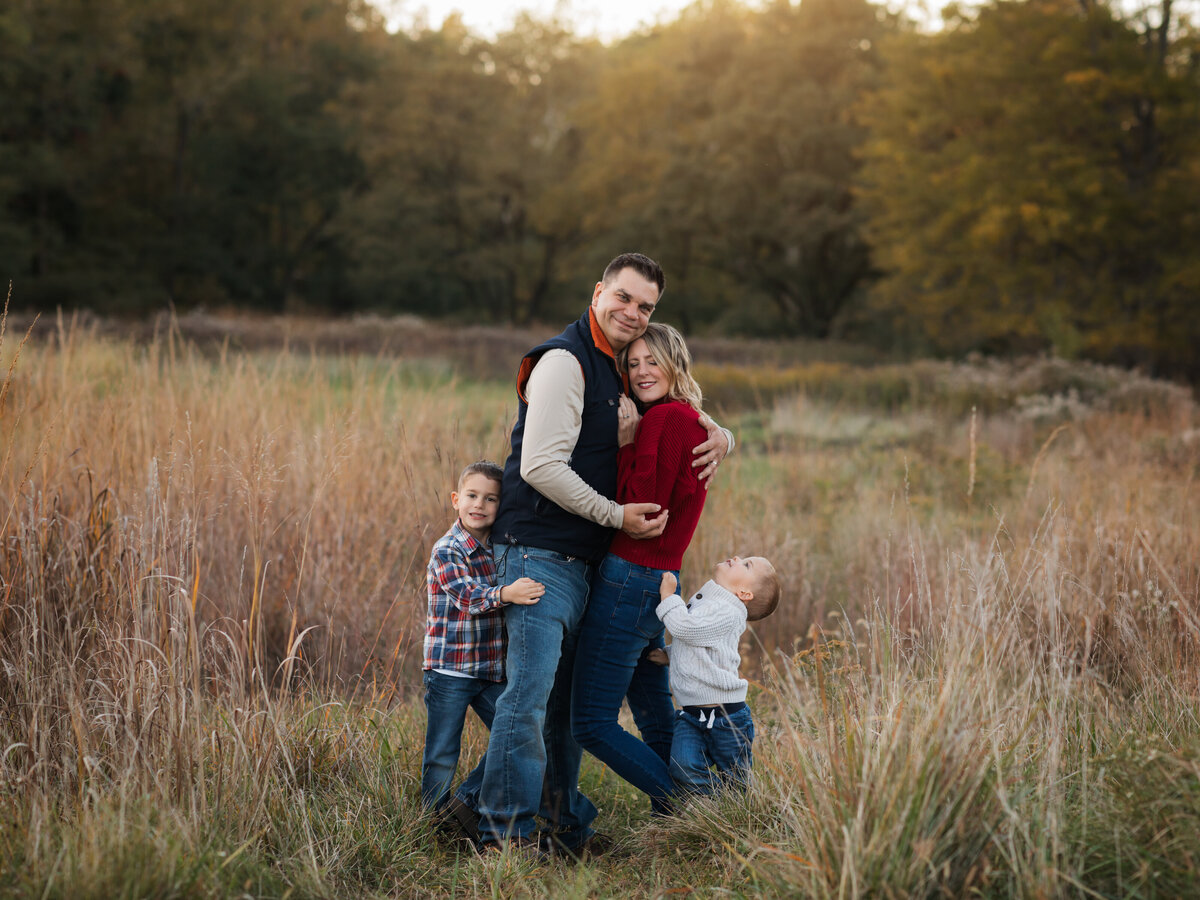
(623, 307)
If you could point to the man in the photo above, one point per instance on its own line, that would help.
(555, 522)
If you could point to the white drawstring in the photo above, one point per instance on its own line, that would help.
(712, 718)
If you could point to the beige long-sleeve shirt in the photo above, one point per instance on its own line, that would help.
(554, 393)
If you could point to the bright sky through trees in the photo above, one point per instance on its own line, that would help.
(607, 19)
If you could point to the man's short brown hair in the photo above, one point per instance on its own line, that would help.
(766, 596)
(640, 263)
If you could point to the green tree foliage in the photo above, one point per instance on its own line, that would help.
(280, 158)
(470, 146)
(642, 173)
(289, 152)
(781, 156)
(182, 151)
(64, 81)
(1032, 182)
(1024, 179)
(737, 157)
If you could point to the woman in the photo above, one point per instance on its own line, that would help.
(619, 626)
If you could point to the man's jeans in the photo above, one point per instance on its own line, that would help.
(447, 699)
(531, 740)
(710, 739)
(610, 665)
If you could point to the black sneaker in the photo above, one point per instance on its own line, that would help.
(457, 822)
(527, 848)
(596, 844)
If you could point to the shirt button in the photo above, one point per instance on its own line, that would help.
(699, 596)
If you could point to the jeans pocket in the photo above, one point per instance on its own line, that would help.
(740, 726)
(649, 625)
(613, 571)
(552, 557)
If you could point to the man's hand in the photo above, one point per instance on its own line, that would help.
(634, 521)
(658, 656)
(711, 452)
(523, 592)
(668, 585)
(627, 421)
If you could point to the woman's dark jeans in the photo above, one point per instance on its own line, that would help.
(619, 627)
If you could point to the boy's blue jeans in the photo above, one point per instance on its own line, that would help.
(714, 752)
(531, 740)
(447, 700)
(610, 666)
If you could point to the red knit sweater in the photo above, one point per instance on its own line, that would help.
(657, 468)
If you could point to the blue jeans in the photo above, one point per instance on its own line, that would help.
(619, 627)
(721, 743)
(531, 740)
(447, 700)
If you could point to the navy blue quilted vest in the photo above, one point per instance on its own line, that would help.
(526, 516)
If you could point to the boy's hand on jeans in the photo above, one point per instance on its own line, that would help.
(668, 585)
(658, 656)
(523, 591)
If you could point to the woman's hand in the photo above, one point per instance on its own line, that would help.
(627, 421)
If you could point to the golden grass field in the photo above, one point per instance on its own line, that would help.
(982, 680)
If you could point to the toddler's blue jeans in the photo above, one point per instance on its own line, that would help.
(711, 748)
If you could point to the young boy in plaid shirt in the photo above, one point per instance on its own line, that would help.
(464, 640)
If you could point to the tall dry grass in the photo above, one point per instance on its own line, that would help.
(983, 677)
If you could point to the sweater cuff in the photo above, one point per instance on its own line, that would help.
(667, 605)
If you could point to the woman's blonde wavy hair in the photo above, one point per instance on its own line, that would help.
(671, 353)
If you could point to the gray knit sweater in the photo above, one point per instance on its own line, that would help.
(704, 646)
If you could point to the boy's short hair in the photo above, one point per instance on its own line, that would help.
(483, 467)
(766, 596)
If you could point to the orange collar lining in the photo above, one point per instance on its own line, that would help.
(602, 344)
(598, 335)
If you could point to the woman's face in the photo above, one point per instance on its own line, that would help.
(648, 382)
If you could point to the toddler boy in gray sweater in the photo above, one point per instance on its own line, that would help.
(714, 730)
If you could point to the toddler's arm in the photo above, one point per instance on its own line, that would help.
(706, 628)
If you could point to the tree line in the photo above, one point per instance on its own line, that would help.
(1025, 179)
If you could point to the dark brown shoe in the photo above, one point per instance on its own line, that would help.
(529, 848)
(457, 822)
(596, 844)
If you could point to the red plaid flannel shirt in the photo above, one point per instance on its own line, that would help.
(464, 629)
